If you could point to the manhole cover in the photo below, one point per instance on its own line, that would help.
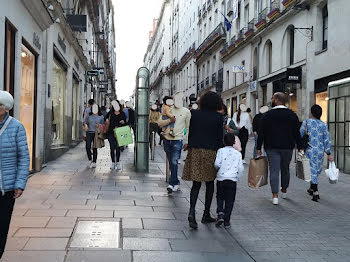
(96, 235)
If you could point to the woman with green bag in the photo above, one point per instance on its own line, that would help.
(115, 118)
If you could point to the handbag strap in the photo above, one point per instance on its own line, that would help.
(5, 125)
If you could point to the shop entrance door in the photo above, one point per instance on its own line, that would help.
(339, 123)
(28, 98)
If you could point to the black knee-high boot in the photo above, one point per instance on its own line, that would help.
(193, 200)
(209, 192)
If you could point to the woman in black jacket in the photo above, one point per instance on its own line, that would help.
(205, 138)
(115, 118)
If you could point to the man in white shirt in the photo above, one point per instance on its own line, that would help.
(174, 144)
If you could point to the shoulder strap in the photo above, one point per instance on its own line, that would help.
(5, 125)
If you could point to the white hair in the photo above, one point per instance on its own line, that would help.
(6, 99)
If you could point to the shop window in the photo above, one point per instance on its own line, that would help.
(325, 27)
(9, 65)
(57, 106)
(75, 109)
(322, 101)
(28, 97)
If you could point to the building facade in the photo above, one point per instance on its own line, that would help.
(48, 47)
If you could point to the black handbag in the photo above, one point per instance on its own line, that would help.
(305, 139)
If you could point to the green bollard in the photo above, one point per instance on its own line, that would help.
(142, 123)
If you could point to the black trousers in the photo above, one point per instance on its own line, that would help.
(6, 207)
(209, 192)
(243, 137)
(115, 149)
(89, 141)
(226, 195)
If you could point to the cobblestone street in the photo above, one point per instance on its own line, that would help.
(154, 225)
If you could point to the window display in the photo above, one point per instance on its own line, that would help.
(322, 101)
(75, 109)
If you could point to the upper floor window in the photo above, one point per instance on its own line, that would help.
(324, 27)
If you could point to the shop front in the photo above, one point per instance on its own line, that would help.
(339, 122)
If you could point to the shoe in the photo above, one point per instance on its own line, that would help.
(170, 189)
(219, 220)
(227, 224)
(118, 167)
(244, 162)
(284, 195)
(310, 191)
(315, 196)
(113, 166)
(89, 165)
(275, 200)
(176, 188)
(192, 220)
(207, 218)
(93, 165)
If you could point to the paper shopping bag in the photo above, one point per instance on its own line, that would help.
(258, 172)
(123, 135)
(303, 168)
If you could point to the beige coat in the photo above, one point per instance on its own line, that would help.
(99, 140)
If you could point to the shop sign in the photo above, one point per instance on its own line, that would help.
(253, 86)
(76, 63)
(36, 41)
(61, 43)
(238, 69)
(77, 22)
(294, 75)
(104, 82)
(92, 73)
(103, 90)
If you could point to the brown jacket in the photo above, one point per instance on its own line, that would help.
(99, 140)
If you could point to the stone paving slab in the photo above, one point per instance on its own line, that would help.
(34, 256)
(145, 244)
(49, 244)
(144, 233)
(93, 256)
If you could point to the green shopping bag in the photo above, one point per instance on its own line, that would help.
(123, 135)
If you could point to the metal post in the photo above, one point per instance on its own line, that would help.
(153, 145)
(142, 124)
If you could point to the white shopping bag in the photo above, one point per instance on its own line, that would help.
(332, 173)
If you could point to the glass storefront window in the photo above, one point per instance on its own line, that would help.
(75, 109)
(228, 105)
(27, 102)
(57, 107)
(322, 101)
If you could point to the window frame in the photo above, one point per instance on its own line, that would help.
(325, 27)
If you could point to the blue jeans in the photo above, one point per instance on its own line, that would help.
(173, 149)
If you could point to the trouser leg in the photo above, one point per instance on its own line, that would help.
(220, 196)
(243, 136)
(88, 143)
(286, 157)
(6, 207)
(196, 186)
(113, 146)
(230, 196)
(274, 166)
(209, 192)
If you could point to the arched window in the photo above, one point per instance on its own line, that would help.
(268, 56)
(255, 60)
(290, 32)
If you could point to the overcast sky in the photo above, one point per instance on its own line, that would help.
(133, 21)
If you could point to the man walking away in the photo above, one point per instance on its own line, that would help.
(173, 144)
(279, 133)
(256, 127)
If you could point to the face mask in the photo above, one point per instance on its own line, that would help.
(169, 102)
(122, 102)
(115, 105)
(178, 100)
(194, 106)
(154, 107)
(243, 107)
(94, 109)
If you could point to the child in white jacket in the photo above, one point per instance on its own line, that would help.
(230, 168)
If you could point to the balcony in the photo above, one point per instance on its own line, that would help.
(207, 82)
(239, 37)
(262, 19)
(199, 12)
(275, 10)
(204, 10)
(288, 3)
(209, 4)
(202, 85)
(215, 1)
(229, 8)
(213, 79)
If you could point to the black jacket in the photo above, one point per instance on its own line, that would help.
(257, 122)
(279, 130)
(205, 130)
(131, 117)
(115, 120)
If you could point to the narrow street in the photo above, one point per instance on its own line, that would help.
(154, 225)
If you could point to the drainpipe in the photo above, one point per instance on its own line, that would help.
(257, 73)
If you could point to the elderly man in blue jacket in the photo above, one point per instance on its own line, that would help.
(14, 164)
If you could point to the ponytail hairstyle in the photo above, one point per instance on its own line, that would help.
(238, 119)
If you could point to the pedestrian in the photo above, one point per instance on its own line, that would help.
(230, 127)
(103, 111)
(91, 121)
(256, 128)
(173, 144)
(242, 121)
(230, 168)
(14, 164)
(126, 111)
(154, 116)
(132, 117)
(87, 111)
(166, 112)
(205, 138)
(114, 119)
(319, 143)
(279, 134)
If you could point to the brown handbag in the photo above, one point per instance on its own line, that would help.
(258, 172)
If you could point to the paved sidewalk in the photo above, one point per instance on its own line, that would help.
(154, 225)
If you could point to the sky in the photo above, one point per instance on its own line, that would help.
(133, 21)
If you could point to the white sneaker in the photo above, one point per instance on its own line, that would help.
(284, 195)
(93, 165)
(113, 166)
(275, 200)
(118, 167)
(244, 162)
(170, 189)
(176, 188)
(89, 165)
